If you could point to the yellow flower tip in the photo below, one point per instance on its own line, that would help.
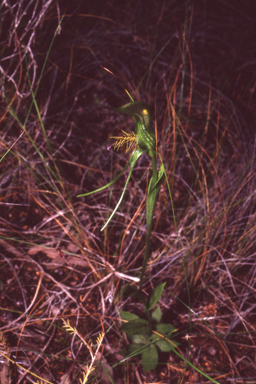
(145, 112)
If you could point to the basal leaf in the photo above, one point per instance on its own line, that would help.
(128, 316)
(155, 296)
(149, 358)
(135, 349)
(136, 327)
(139, 339)
(165, 345)
(157, 315)
(165, 328)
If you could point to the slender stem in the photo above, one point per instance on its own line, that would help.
(151, 202)
(149, 228)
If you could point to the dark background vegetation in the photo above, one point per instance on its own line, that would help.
(194, 63)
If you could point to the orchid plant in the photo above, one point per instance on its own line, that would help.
(142, 141)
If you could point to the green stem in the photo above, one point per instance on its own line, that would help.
(151, 202)
(149, 228)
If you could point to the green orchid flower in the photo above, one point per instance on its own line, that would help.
(143, 131)
(144, 141)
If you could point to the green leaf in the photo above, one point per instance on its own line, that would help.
(159, 179)
(134, 157)
(110, 183)
(136, 327)
(165, 328)
(135, 349)
(149, 358)
(166, 346)
(163, 344)
(132, 161)
(151, 202)
(155, 296)
(128, 316)
(157, 315)
(139, 339)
